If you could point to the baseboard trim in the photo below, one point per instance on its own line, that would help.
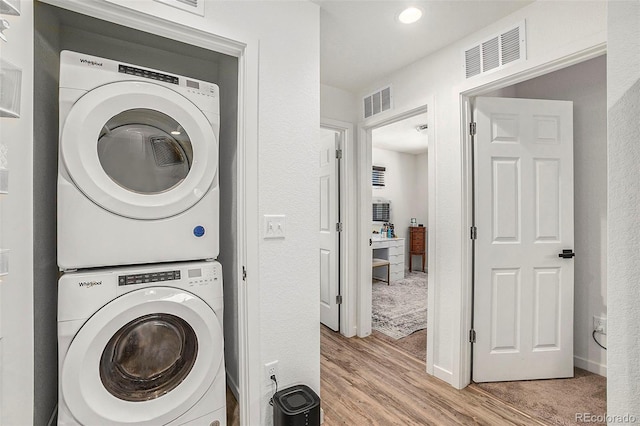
(443, 374)
(589, 365)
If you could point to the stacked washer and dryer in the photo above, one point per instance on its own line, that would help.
(140, 301)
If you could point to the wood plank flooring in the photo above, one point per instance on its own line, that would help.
(370, 382)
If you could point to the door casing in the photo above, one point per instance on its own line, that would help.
(364, 294)
(347, 271)
(463, 356)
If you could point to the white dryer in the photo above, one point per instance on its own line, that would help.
(138, 165)
(142, 346)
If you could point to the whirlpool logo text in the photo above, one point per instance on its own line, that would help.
(90, 62)
(89, 284)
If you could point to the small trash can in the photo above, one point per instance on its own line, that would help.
(297, 405)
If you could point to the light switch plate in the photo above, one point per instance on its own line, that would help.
(274, 226)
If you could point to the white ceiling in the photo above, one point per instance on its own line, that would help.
(361, 41)
(402, 136)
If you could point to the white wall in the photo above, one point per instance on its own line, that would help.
(16, 302)
(403, 189)
(623, 102)
(338, 104)
(585, 84)
(554, 30)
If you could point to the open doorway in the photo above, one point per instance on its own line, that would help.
(584, 84)
(399, 233)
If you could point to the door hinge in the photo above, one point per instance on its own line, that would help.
(338, 154)
(339, 299)
(472, 128)
(339, 227)
(244, 273)
(472, 336)
(474, 233)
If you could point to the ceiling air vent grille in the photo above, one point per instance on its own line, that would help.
(496, 52)
(193, 6)
(377, 102)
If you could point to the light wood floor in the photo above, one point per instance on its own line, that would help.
(370, 382)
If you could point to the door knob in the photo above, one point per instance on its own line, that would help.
(567, 254)
(370, 242)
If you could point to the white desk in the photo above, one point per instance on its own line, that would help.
(391, 249)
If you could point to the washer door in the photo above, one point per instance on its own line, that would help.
(139, 150)
(145, 358)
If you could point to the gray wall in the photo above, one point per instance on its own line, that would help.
(585, 84)
(57, 30)
(45, 271)
(228, 214)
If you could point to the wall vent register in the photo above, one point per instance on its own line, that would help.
(506, 48)
(377, 102)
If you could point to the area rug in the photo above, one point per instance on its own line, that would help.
(400, 308)
(558, 401)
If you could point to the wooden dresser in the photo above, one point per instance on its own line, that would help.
(417, 241)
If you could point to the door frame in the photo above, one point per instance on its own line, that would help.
(466, 96)
(347, 269)
(247, 52)
(364, 289)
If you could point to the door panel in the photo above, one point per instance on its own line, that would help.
(523, 292)
(329, 242)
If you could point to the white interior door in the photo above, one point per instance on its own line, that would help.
(523, 291)
(329, 243)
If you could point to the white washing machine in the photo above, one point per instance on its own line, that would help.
(142, 346)
(138, 165)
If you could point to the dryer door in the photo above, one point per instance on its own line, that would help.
(139, 150)
(145, 358)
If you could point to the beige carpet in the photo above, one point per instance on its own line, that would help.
(556, 401)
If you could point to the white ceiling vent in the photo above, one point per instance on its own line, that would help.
(496, 52)
(377, 102)
(193, 6)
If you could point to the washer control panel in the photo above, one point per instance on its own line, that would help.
(152, 277)
(188, 274)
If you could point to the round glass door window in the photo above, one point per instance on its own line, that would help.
(148, 357)
(145, 151)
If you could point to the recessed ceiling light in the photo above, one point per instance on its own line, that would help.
(410, 15)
